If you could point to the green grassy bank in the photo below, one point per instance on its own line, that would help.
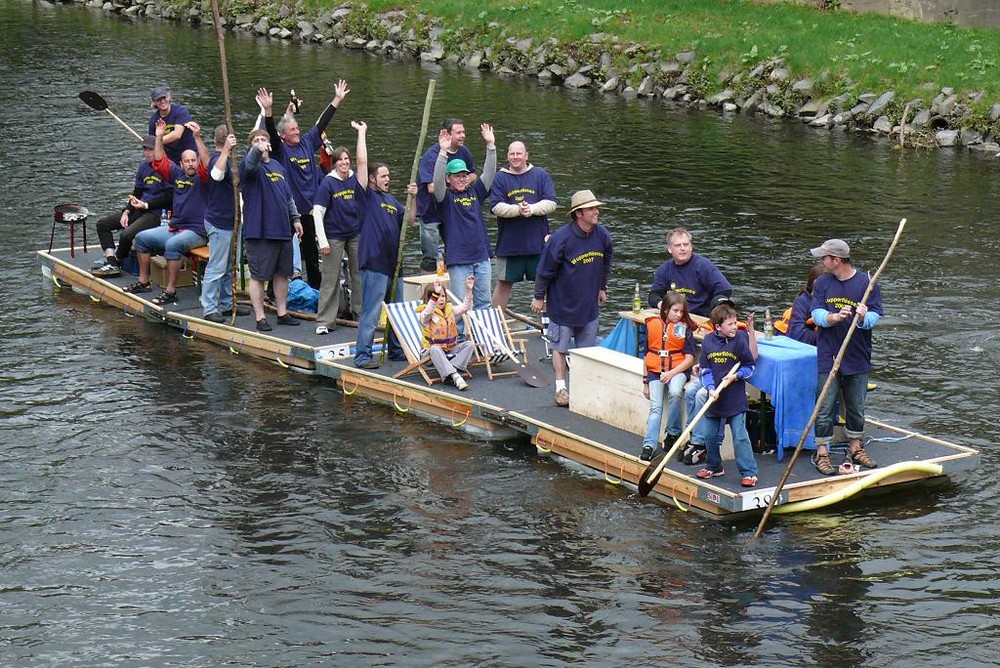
(841, 52)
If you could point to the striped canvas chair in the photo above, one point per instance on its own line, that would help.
(491, 334)
(402, 317)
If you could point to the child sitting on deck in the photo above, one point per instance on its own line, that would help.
(720, 350)
(437, 316)
(669, 355)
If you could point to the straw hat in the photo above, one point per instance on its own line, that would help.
(582, 199)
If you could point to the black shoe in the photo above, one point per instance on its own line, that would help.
(263, 325)
(240, 310)
(287, 319)
(138, 287)
(647, 453)
(215, 317)
(695, 454)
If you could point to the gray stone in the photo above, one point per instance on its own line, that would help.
(719, 98)
(867, 98)
(779, 74)
(285, 33)
(606, 60)
(558, 70)
(883, 125)
(946, 137)
(969, 137)
(475, 60)
(262, 26)
(306, 29)
(757, 72)
(545, 76)
(729, 107)
(646, 87)
(523, 45)
(803, 87)
(610, 85)
(134, 10)
(773, 89)
(772, 109)
(947, 91)
(752, 102)
(921, 119)
(435, 54)
(823, 121)
(995, 112)
(670, 68)
(813, 108)
(841, 119)
(985, 147)
(947, 105)
(880, 104)
(628, 93)
(858, 109)
(244, 19)
(686, 57)
(577, 80)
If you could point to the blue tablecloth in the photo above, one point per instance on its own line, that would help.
(786, 372)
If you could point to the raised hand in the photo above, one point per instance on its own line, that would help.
(161, 127)
(360, 126)
(265, 99)
(444, 140)
(340, 91)
(488, 137)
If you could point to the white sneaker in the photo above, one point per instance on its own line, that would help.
(460, 382)
(322, 329)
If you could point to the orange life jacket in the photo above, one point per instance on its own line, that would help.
(784, 323)
(442, 330)
(670, 339)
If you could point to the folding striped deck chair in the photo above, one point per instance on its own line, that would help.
(402, 317)
(491, 334)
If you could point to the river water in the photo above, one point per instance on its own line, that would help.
(166, 503)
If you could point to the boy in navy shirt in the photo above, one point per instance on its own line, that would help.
(720, 350)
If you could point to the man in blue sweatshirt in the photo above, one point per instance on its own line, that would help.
(571, 282)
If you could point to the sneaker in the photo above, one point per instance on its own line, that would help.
(106, 269)
(99, 263)
(370, 363)
(823, 465)
(705, 474)
(215, 317)
(165, 298)
(263, 325)
(322, 329)
(695, 454)
(287, 319)
(138, 287)
(562, 398)
(460, 383)
(749, 481)
(240, 310)
(647, 453)
(861, 458)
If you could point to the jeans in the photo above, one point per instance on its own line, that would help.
(217, 283)
(854, 389)
(745, 462)
(481, 295)
(675, 388)
(695, 396)
(172, 245)
(430, 240)
(375, 290)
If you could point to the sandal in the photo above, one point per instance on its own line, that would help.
(861, 458)
(823, 464)
(165, 298)
(138, 287)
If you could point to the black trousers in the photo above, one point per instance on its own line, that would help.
(110, 223)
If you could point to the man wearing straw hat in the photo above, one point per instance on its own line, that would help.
(571, 282)
(837, 297)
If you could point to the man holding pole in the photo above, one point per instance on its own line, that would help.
(838, 295)
(381, 221)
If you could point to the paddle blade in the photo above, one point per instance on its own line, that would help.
(649, 477)
(533, 376)
(93, 100)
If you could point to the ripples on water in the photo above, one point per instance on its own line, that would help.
(167, 503)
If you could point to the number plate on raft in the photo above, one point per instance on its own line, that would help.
(760, 498)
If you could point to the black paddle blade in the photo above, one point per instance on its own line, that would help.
(647, 481)
(93, 100)
(533, 376)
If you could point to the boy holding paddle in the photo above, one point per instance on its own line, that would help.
(720, 349)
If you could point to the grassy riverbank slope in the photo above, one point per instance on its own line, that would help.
(839, 51)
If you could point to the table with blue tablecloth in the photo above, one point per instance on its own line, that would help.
(785, 372)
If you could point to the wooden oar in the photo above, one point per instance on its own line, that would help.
(649, 477)
(234, 260)
(523, 318)
(98, 103)
(829, 381)
(410, 201)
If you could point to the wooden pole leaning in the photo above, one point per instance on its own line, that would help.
(826, 385)
(234, 246)
(649, 477)
(410, 202)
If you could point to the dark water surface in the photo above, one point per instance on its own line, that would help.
(163, 502)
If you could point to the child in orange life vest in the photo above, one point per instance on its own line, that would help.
(669, 355)
(449, 355)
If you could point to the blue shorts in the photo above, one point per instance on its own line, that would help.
(559, 336)
(269, 258)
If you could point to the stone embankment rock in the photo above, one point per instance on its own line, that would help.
(605, 64)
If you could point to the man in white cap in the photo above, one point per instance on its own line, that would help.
(177, 137)
(571, 282)
(836, 306)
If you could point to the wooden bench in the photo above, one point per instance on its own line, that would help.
(199, 258)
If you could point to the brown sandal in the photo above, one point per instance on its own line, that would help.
(823, 464)
(861, 458)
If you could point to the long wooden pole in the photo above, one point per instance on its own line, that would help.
(410, 200)
(234, 260)
(829, 381)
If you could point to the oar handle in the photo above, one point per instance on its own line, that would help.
(127, 127)
(686, 434)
